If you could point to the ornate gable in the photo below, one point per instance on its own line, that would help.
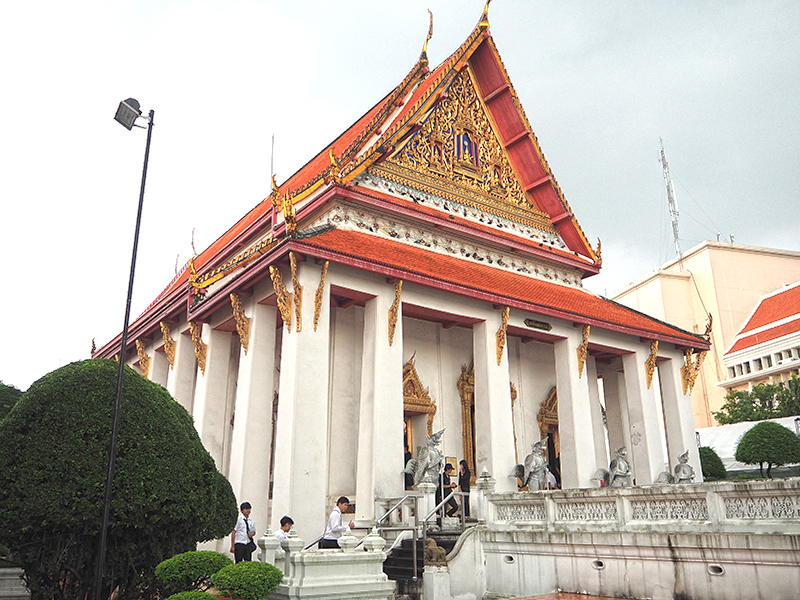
(456, 154)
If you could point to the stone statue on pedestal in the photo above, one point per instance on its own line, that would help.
(684, 472)
(534, 470)
(426, 467)
(619, 472)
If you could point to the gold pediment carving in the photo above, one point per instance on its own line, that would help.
(456, 153)
(416, 397)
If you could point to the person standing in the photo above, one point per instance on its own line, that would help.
(286, 525)
(447, 487)
(463, 486)
(242, 544)
(334, 529)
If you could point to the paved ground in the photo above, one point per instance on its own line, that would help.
(565, 596)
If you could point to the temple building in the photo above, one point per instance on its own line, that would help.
(422, 272)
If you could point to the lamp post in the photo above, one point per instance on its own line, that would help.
(127, 113)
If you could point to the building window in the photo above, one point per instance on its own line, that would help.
(731, 372)
(768, 360)
(738, 370)
(758, 365)
(746, 367)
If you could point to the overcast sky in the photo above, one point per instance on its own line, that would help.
(600, 82)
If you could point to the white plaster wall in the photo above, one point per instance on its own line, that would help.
(533, 372)
(439, 355)
(347, 340)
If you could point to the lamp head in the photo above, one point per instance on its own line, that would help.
(127, 113)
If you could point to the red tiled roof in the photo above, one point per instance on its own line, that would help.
(775, 307)
(569, 301)
(773, 333)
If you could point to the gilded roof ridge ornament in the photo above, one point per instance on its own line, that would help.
(483, 24)
(424, 56)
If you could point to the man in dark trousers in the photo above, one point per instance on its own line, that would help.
(447, 487)
(242, 544)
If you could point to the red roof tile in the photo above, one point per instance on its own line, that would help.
(773, 333)
(571, 302)
(774, 307)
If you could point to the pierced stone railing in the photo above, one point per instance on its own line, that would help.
(760, 505)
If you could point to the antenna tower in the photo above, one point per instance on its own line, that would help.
(673, 203)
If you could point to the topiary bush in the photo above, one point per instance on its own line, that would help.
(53, 465)
(770, 443)
(192, 595)
(247, 580)
(711, 464)
(9, 396)
(190, 570)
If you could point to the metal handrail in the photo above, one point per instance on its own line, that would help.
(440, 505)
(316, 541)
(395, 507)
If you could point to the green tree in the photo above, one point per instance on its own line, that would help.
(789, 398)
(167, 493)
(756, 405)
(9, 395)
(711, 464)
(770, 443)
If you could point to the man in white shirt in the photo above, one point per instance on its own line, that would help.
(242, 544)
(334, 529)
(286, 525)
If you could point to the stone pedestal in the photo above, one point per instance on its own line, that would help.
(436, 582)
(428, 502)
(268, 544)
(479, 505)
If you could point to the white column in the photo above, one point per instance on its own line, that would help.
(252, 425)
(642, 412)
(180, 381)
(380, 437)
(578, 455)
(678, 418)
(494, 428)
(210, 396)
(600, 449)
(159, 367)
(301, 445)
(612, 394)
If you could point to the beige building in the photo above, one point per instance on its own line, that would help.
(717, 278)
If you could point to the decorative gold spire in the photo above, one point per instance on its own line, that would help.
(318, 294)
(650, 363)
(598, 252)
(169, 344)
(289, 215)
(424, 55)
(500, 336)
(394, 309)
(274, 194)
(242, 322)
(94, 348)
(483, 24)
(583, 350)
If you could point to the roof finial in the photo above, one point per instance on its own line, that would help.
(424, 54)
(484, 22)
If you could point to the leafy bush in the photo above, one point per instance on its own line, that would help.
(192, 595)
(53, 466)
(190, 570)
(770, 443)
(711, 464)
(247, 580)
(9, 395)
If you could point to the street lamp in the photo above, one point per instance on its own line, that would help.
(127, 113)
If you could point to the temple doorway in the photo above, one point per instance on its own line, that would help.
(548, 426)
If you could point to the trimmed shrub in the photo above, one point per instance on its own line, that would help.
(770, 443)
(711, 464)
(247, 580)
(9, 396)
(192, 595)
(53, 465)
(190, 570)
